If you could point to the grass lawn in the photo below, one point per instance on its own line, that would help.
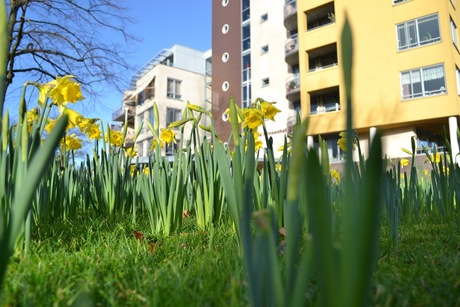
(96, 261)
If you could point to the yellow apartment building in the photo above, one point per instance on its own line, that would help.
(405, 75)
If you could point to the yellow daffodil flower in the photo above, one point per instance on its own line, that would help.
(253, 118)
(50, 124)
(31, 116)
(404, 162)
(75, 118)
(279, 167)
(114, 138)
(342, 142)
(154, 144)
(71, 142)
(94, 132)
(167, 135)
(131, 152)
(335, 175)
(269, 110)
(65, 90)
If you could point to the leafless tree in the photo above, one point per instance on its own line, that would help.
(84, 38)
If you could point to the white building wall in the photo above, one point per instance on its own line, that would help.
(271, 64)
(192, 89)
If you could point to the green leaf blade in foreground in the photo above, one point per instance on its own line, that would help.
(23, 203)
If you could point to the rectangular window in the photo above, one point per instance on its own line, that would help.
(324, 101)
(265, 82)
(151, 120)
(245, 13)
(263, 18)
(418, 32)
(246, 37)
(246, 67)
(457, 73)
(246, 95)
(170, 149)
(453, 30)
(264, 49)
(172, 115)
(399, 1)
(425, 81)
(140, 149)
(174, 89)
(150, 90)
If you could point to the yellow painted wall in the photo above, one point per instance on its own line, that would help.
(378, 63)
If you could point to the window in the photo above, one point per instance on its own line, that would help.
(245, 14)
(140, 98)
(224, 2)
(263, 17)
(225, 28)
(453, 30)
(246, 37)
(323, 57)
(225, 86)
(422, 82)
(172, 115)
(320, 16)
(139, 120)
(265, 82)
(140, 149)
(264, 49)
(225, 57)
(324, 101)
(457, 73)
(151, 118)
(246, 95)
(150, 90)
(170, 149)
(174, 88)
(399, 1)
(418, 32)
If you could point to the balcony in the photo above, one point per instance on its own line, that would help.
(290, 123)
(322, 58)
(124, 111)
(320, 16)
(293, 88)
(290, 15)
(325, 101)
(291, 50)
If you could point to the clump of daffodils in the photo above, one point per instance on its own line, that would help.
(60, 93)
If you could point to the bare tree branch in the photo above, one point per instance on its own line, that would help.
(85, 38)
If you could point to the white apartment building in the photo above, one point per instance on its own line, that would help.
(171, 78)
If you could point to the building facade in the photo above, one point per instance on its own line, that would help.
(405, 75)
(250, 44)
(172, 78)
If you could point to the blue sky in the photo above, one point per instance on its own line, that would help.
(159, 25)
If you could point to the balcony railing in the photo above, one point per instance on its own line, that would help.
(326, 108)
(291, 50)
(322, 67)
(290, 15)
(293, 84)
(291, 45)
(120, 114)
